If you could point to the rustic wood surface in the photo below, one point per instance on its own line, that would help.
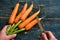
(49, 9)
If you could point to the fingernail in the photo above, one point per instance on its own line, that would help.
(14, 34)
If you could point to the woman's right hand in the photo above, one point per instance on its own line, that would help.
(47, 36)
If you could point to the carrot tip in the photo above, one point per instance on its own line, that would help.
(32, 4)
(40, 18)
(25, 3)
(38, 12)
(17, 3)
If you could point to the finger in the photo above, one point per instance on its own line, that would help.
(12, 36)
(44, 36)
(4, 29)
(50, 34)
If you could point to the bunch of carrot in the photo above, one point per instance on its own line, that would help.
(21, 19)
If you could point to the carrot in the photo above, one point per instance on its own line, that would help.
(21, 13)
(27, 12)
(13, 15)
(31, 24)
(28, 20)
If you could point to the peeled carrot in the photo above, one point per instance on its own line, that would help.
(27, 12)
(28, 20)
(13, 15)
(21, 13)
(31, 24)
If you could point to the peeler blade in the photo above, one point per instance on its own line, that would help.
(40, 25)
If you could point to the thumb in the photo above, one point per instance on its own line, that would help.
(12, 36)
(4, 29)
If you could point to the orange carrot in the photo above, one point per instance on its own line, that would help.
(31, 24)
(27, 12)
(21, 13)
(13, 15)
(28, 20)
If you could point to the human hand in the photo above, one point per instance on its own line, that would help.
(48, 36)
(3, 35)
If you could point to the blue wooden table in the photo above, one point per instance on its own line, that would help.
(50, 9)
